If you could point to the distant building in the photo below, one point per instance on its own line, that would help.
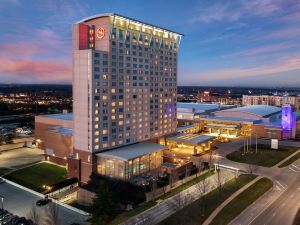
(271, 100)
(209, 97)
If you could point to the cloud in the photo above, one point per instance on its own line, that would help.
(285, 33)
(235, 10)
(40, 71)
(262, 50)
(281, 66)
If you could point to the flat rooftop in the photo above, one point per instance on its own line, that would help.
(199, 106)
(60, 116)
(133, 151)
(178, 129)
(259, 110)
(62, 130)
(192, 139)
(229, 119)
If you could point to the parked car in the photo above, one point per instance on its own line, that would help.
(5, 218)
(20, 221)
(43, 202)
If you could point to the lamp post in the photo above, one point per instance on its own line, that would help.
(2, 201)
(256, 143)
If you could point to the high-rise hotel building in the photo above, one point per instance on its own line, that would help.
(124, 92)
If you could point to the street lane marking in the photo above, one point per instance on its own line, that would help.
(292, 169)
(296, 167)
(277, 188)
(260, 212)
(284, 188)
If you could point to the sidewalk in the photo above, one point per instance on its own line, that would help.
(287, 158)
(167, 207)
(217, 210)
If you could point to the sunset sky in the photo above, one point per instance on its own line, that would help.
(236, 43)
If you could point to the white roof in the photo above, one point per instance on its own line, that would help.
(259, 110)
(133, 151)
(192, 139)
(61, 116)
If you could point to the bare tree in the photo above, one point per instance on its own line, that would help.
(202, 188)
(52, 214)
(33, 215)
(177, 202)
(220, 179)
(251, 168)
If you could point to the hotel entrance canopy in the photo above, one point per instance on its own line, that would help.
(223, 126)
(190, 139)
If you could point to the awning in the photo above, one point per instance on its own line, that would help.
(191, 139)
(133, 151)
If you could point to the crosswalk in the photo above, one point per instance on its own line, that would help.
(279, 186)
(294, 168)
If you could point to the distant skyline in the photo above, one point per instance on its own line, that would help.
(226, 43)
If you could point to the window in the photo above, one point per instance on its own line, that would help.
(121, 37)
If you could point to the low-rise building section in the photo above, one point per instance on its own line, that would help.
(275, 100)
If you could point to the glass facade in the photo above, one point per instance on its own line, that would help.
(125, 169)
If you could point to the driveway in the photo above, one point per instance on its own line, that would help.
(20, 202)
(21, 156)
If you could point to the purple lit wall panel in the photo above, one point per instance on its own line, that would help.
(288, 120)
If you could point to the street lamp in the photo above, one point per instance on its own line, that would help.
(2, 200)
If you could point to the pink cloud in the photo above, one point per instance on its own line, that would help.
(21, 50)
(38, 70)
(290, 32)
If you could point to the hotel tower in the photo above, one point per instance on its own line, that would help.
(124, 84)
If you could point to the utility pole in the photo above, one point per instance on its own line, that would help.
(244, 145)
(247, 143)
(256, 143)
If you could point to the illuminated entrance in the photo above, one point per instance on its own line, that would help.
(223, 130)
(190, 144)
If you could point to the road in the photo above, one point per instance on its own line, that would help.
(20, 202)
(169, 206)
(278, 206)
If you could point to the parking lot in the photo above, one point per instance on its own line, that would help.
(20, 202)
(21, 156)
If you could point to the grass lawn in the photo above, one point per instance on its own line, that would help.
(297, 218)
(264, 157)
(34, 177)
(199, 211)
(126, 215)
(4, 170)
(290, 161)
(186, 185)
(242, 201)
